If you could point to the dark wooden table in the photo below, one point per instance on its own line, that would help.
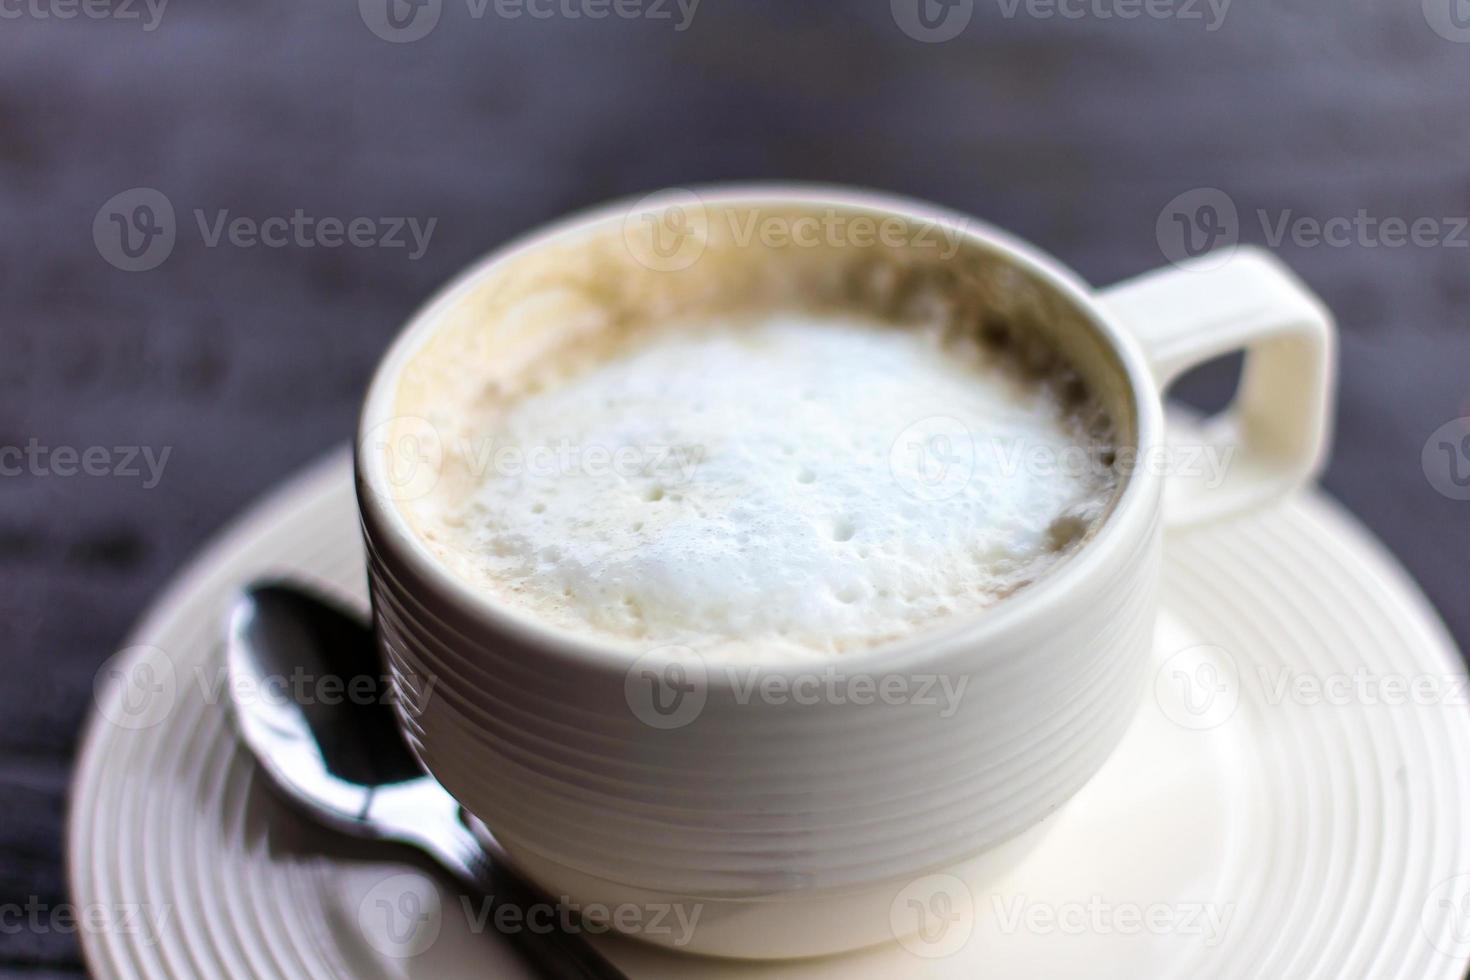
(243, 363)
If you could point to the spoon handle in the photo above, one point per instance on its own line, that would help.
(553, 950)
(555, 953)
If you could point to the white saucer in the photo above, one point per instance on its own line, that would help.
(1335, 837)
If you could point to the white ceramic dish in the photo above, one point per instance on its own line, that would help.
(1332, 840)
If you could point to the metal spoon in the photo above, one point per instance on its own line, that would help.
(342, 759)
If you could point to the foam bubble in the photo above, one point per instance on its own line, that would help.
(793, 486)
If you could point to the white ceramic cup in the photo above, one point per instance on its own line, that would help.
(802, 825)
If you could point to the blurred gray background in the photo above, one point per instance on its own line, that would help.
(244, 363)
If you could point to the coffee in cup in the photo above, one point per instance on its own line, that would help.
(818, 467)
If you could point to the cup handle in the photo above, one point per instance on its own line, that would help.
(1275, 434)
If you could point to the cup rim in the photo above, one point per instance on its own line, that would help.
(1126, 522)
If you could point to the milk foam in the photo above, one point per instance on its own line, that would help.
(796, 486)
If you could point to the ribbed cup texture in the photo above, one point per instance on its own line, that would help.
(759, 794)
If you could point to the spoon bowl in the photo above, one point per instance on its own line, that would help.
(312, 704)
